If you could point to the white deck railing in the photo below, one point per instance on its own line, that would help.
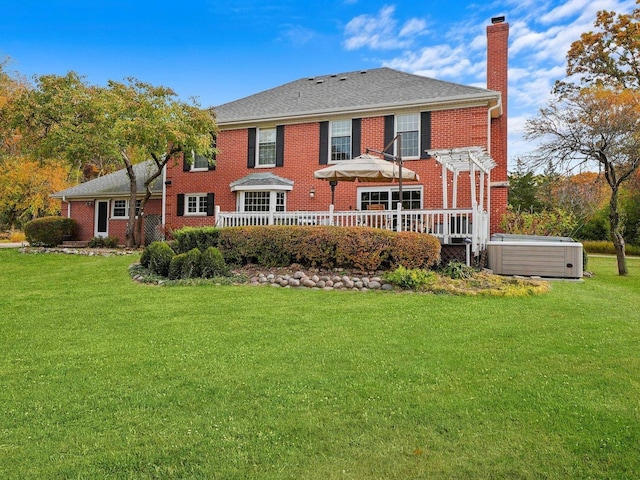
(450, 226)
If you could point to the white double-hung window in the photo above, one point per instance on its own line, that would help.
(408, 125)
(120, 208)
(267, 147)
(340, 134)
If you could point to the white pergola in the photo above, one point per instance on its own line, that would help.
(466, 159)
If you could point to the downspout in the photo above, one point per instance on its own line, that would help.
(491, 109)
(64, 200)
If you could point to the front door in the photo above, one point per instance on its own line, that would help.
(102, 217)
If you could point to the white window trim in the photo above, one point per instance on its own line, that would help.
(350, 120)
(257, 162)
(193, 165)
(396, 145)
(419, 188)
(126, 208)
(187, 213)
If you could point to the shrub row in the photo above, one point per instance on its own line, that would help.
(160, 258)
(607, 248)
(49, 231)
(364, 249)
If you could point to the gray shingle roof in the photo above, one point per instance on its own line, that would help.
(114, 184)
(261, 180)
(378, 88)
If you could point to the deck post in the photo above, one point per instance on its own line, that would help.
(216, 212)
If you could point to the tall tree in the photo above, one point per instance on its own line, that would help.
(610, 55)
(64, 118)
(25, 186)
(595, 115)
(594, 125)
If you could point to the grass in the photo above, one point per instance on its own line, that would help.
(106, 378)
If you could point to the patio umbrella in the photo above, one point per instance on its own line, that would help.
(364, 168)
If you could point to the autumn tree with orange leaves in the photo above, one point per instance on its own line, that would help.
(594, 118)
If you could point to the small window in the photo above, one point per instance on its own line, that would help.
(267, 147)
(409, 128)
(200, 163)
(195, 204)
(121, 208)
(340, 140)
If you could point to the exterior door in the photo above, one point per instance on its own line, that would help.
(102, 218)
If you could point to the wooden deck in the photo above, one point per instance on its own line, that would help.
(451, 226)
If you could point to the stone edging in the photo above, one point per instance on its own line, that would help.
(321, 282)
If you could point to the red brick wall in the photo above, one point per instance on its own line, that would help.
(450, 128)
(84, 213)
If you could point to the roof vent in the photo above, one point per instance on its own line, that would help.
(320, 81)
(334, 76)
(362, 72)
(311, 79)
(342, 79)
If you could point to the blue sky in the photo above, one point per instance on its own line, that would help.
(219, 51)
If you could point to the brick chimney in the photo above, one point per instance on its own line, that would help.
(497, 69)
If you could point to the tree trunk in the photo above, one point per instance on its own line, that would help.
(130, 231)
(616, 232)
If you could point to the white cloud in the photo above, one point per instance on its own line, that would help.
(381, 32)
(415, 26)
(541, 32)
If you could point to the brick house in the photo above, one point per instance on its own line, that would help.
(271, 143)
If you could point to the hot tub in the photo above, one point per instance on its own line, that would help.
(532, 255)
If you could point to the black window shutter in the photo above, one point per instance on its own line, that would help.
(210, 204)
(181, 204)
(185, 164)
(251, 150)
(214, 144)
(389, 133)
(356, 137)
(280, 146)
(324, 143)
(425, 134)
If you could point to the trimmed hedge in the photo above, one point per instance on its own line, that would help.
(365, 249)
(157, 257)
(360, 248)
(212, 263)
(49, 231)
(188, 238)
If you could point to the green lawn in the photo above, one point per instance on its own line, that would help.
(105, 378)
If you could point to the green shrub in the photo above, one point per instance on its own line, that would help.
(457, 270)
(157, 257)
(103, 242)
(415, 250)
(606, 248)
(188, 238)
(191, 264)
(212, 263)
(175, 267)
(411, 279)
(554, 222)
(49, 231)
